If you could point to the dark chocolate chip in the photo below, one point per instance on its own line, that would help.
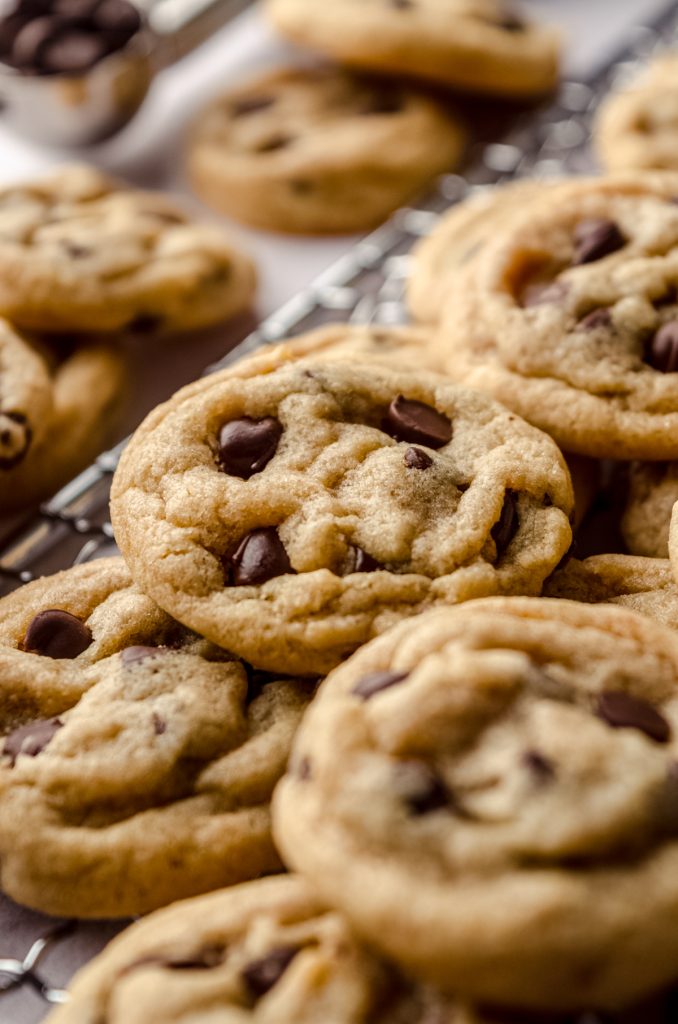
(74, 9)
(274, 143)
(30, 739)
(250, 105)
(10, 27)
(596, 238)
(159, 724)
(362, 562)
(261, 975)
(541, 767)
(71, 52)
(662, 353)
(57, 634)
(417, 422)
(596, 318)
(259, 557)
(15, 439)
(621, 710)
(506, 527)
(543, 293)
(375, 682)
(246, 446)
(30, 40)
(133, 655)
(118, 18)
(420, 789)
(415, 458)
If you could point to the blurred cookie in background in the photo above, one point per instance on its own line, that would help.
(319, 150)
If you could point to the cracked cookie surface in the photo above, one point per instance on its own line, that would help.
(319, 150)
(495, 783)
(82, 252)
(137, 760)
(570, 317)
(290, 514)
(478, 45)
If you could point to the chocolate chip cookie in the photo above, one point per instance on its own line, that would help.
(488, 792)
(477, 45)
(87, 388)
(651, 493)
(637, 127)
(137, 761)
(570, 317)
(644, 584)
(291, 514)
(266, 950)
(81, 252)
(319, 150)
(25, 399)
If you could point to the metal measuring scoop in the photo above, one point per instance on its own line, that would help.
(66, 108)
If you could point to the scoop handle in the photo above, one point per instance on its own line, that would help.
(182, 25)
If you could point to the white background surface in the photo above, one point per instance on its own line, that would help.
(149, 150)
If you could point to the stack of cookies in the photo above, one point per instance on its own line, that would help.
(85, 261)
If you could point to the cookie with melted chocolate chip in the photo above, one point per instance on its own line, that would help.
(570, 317)
(137, 760)
(26, 400)
(267, 950)
(80, 252)
(358, 495)
(477, 45)
(318, 150)
(495, 784)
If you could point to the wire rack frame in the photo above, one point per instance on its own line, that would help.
(366, 285)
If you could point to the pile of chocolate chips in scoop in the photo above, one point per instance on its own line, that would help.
(43, 37)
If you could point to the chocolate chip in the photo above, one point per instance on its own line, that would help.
(57, 634)
(543, 293)
(662, 353)
(362, 562)
(29, 41)
(621, 710)
(133, 655)
(30, 739)
(375, 682)
(506, 527)
(259, 557)
(250, 105)
(594, 239)
(420, 789)
(415, 458)
(70, 52)
(274, 143)
(540, 766)
(261, 975)
(246, 446)
(118, 18)
(159, 724)
(596, 318)
(417, 422)
(15, 439)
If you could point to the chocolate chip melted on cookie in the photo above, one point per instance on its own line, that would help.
(55, 633)
(31, 739)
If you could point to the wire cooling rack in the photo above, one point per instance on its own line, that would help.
(38, 954)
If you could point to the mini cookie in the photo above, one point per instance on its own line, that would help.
(495, 784)
(646, 585)
(291, 514)
(87, 401)
(479, 45)
(263, 951)
(460, 236)
(81, 252)
(638, 127)
(571, 318)
(25, 399)
(652, 491)
(319, 150)
(137, 761)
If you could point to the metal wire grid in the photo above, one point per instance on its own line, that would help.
(366, 285)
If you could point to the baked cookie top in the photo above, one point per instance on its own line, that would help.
(646, 585)
(289, 515)
(319, 149)
(637, 127)
(25, 398)
(263, 951)
(571, 317)
(82, 252)
(490, 783)
(479, 45)
(136, 760)
(397, 348)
